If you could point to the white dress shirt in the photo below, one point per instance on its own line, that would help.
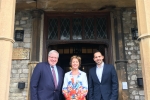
(99, 71)
(56, 72)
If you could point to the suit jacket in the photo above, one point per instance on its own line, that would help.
(107, 88)
(42, 84)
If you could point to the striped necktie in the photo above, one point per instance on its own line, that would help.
(54, 77)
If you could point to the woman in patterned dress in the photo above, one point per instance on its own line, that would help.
(75, 85)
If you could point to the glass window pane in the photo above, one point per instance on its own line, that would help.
(60, 51)
(89, 51)
(77, 28)
(89, 28)
(101, 28)
(53, 29)
(65, 29)
(66, 51)
(71, 50)
(83, 50)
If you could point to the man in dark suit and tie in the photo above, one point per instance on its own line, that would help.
(47, 79)
(103, 80)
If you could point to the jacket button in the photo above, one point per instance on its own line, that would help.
(54, 91)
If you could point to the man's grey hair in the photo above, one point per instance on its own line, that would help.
(53, 51)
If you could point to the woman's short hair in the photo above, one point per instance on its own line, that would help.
(76, 57)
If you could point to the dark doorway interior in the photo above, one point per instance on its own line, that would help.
(85, 51)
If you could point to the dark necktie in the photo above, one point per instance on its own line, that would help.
(54, 77)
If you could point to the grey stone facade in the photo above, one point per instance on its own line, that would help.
(19, 70)
(132, 52)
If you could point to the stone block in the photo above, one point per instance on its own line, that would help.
(15, 75)
(25, 62)
(20, 98)
(129, 53)
(130, 44)
(14, 62)
(16, 66)
(137, 97)
(27, 40)
(16, 94)
(134, 18)
(24, 93)
(15, 44)
(25, 70)
(133, 56)
(12, 98)
(123, 19)
(14, 85)
(126, 48)
(19, 71)
(134, 92)
(141, 92)
(14, 71)
(132, 82)
(17, 23)
(142, 98)
(133, 77)
(22, 22)
(18, 28)
(23, 75)
(14, 90)
(20, 44)
(24, 66)
(131, 87)
(24, 18)
(131, 48)
(27, 35)
(27, 45)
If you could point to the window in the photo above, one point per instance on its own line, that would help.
(77, 27)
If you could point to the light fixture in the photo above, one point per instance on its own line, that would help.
(21, 85)
(134, 33)
(140, 82)
(19, 35)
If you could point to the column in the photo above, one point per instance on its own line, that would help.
(31, 66)
(7, 13)
(121, 62)
(35, 52)
(143, 18)
(36, 39)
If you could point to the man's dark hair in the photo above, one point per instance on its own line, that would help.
(98, 51)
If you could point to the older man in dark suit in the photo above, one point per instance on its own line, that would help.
(103, 80)
(47, 78)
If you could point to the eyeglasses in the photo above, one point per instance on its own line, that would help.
(53, 57)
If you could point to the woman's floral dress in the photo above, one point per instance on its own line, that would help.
(75, 87)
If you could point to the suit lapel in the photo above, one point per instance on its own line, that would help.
(50, 73)
(103, 73)
(95, 75)
(59, 76)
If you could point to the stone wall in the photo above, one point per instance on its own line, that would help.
(19, 70)
(132, 51)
